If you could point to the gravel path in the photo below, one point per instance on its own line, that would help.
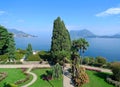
(34, 77)
(67, 78)
(25, 66)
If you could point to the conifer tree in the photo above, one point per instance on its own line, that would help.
(60, 39)
(3, 40)
(29, 50)
(11, 47)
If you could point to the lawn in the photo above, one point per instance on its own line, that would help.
(13, 76)
(97, 79)
(43, 83)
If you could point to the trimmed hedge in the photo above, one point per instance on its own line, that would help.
(113, 82)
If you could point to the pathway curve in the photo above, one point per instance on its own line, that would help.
(29, 66)
(34, 77)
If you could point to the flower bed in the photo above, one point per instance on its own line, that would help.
(23, 80)
(92, 69)
(3, 75)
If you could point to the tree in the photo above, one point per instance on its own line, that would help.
(80, 46)
(3, 40)
(60, 39)
(56, 71)
(81, 77)
(116, 70)
(100, 61)
(86, 60)
(78, 73)
(11, 47)
(29, 51)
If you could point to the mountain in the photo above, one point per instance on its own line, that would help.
(117, 35)
(74, 34)
(18, 33)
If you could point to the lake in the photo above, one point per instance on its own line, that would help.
(106, 47)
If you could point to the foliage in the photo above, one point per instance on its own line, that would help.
(56, 71)
(34, 57)
(3, 57)
(81, 77)
(60, 56)
(86, 60)
(60, 39)
(89, 60)
(45, 55)
(3, 40)
(116, 70)
(18, 55)
(11, 48)
(100, 61)
(80, 46)
(29, 51)
(47, 76)
(113, 82)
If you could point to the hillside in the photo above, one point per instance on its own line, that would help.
(18, 33)
(81, 34)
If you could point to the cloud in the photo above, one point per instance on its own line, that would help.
(110, 11)
(2, 12)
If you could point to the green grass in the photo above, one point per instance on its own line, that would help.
(13, 76)
(42, 83)
(97, 79)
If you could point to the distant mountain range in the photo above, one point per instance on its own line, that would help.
(18, 33)
(84, 33)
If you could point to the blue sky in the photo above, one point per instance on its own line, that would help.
(36, 16)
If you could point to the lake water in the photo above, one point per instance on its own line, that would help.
(106, 47)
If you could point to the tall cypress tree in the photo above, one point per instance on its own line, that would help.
(60, 39)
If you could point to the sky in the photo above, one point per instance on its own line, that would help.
(36, 17)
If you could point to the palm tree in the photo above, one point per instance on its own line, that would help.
(84, 47)
(80, 46)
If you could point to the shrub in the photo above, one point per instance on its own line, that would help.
(3, 57)
(81, 77)
(116, 70)
(86, 60)
(100, 61)
(113, 82)
(35, 57)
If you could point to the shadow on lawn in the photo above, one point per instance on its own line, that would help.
(101, 75)
(47, 77)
